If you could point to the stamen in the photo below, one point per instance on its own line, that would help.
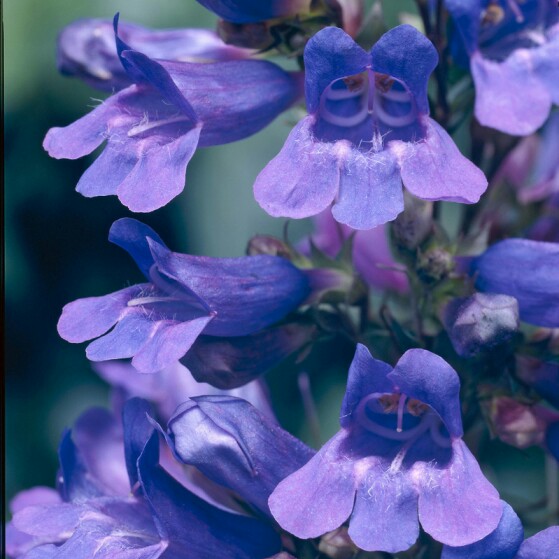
(145, 126)
(398, 435)
(516, 10)
(344, 121)
(149, 300)
(401, 404)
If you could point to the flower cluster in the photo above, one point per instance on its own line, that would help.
(438, 307)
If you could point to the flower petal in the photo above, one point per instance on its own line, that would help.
(434, 168)
(500, 103)
(319, 497)
(457, 505)
(303, 179)
(370, 191)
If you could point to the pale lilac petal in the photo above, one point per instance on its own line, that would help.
(385, 513)
(370, 191)
(168, 343)
(318, 497)
(502, 105)
(53, 522)
(91, 317)
(124, 340)
(84, 135)
(159, 174)
(34, 496)
(303, 179)
(434, 168)
(457, 505)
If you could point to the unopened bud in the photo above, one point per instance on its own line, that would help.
(434, 265)
(247, 35)
(414, 224)
(266, 244)
(519, 424)
(480, 322)
(337, 544)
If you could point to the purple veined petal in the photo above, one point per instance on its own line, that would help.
(86, 49)
(91, 317)
(427, 377)
(331, 54)
(385, 512)
(155, 75)
(457, 505)
(503, 543)
(246, 294)
(541, 546)
(83, 136)
(125, 339)
(412, 65)
(167, 343)
(131, 235)
(434, 168)
(158, 176)
(194, 528)
(370, 192)
(367, 375)
(228, 363)
(318, 497)
(98, 439)
(303, 179)
(235, 99)
(235, 445)
(503, 106)
(524, 269)
(249, 11)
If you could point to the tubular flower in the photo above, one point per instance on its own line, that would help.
(398, 460)
(250, 11)
(87, 49)
(513, 48)
(236, 446)
(157, 322)
(153, 127)
(116, 500)
(367, 130)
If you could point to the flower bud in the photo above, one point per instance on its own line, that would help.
(480, 322)
(518, 424)
(414, 224)
(266, 244)
(337, 544)
(434, 265)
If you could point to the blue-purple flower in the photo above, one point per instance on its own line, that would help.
(116, 500)
(236, 446)
(399, 460)
(524, 269)
(514, 59)
(250, 11)
(367, 131)
(157, 322)
(153, 127)
(87, 49)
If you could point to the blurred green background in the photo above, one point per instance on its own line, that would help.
(56, 247)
